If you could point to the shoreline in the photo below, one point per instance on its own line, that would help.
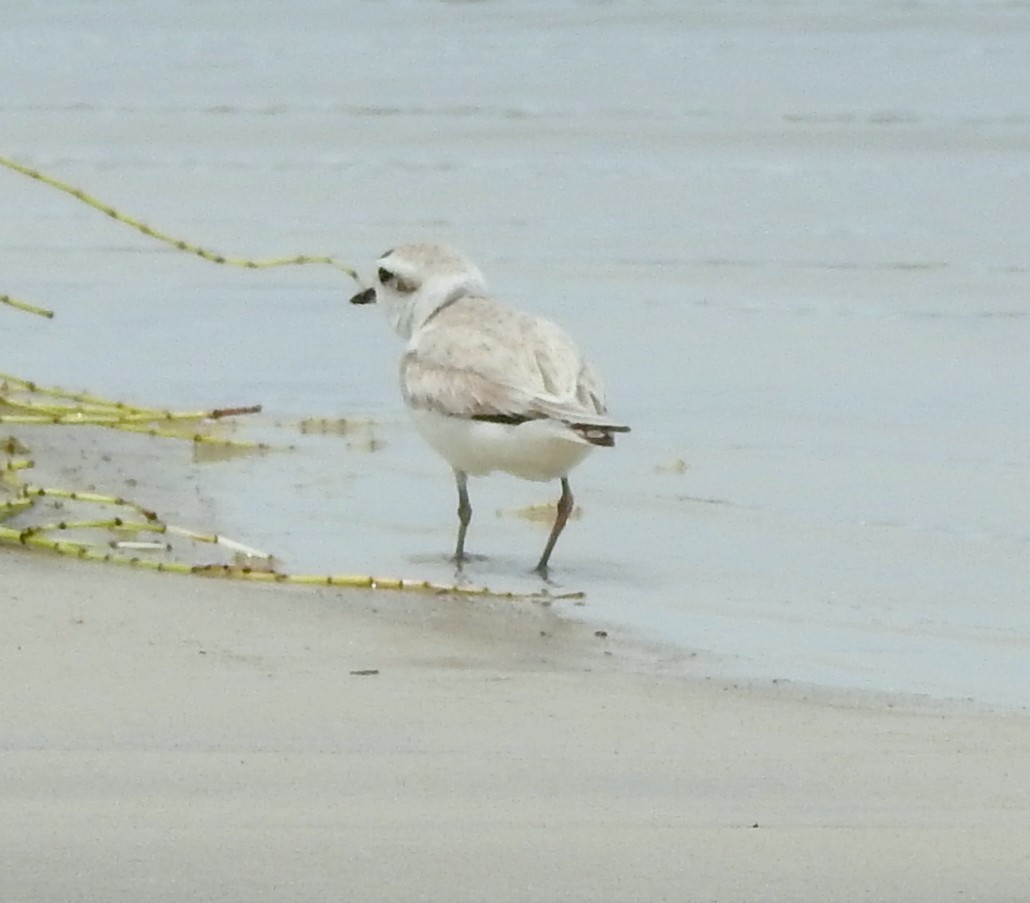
(585, 641)
(170, 738)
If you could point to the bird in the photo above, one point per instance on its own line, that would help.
(489, 388)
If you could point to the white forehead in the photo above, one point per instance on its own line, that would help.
(429, 260)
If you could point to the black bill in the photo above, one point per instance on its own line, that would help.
(368, 296)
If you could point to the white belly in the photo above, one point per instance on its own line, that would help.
(538, 450)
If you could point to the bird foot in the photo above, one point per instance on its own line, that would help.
(458, 562)
(459, 565)
(542, 571)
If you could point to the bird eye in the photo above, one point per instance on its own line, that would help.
(396, 282)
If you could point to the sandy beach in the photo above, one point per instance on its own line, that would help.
(808, 219)
(172, 738)
(793, 239)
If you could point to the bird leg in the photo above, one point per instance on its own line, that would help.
(464, 516)
(564, 510)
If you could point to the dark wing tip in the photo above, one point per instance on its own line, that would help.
(602, 436)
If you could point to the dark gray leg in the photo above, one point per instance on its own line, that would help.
(464, 516)
(564, 510)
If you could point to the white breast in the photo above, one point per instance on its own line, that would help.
(539, 450)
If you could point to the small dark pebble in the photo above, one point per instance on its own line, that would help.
(601, 633)
(365, 672)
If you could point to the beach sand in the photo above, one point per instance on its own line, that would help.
(173, 738)
(793, 237)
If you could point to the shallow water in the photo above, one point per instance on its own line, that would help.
(792, 238)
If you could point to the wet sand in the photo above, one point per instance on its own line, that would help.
(791, 237)
(809, 218)
(171, 738)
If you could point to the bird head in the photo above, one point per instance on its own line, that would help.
(414, 281)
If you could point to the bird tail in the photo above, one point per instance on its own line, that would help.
(602, 436)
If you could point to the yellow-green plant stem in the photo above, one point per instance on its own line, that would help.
(110, 523)
(87, 552)
(86, 409)
(28, 308)
(177, 243)
(84, 398)
(37, 537)
(94, 498)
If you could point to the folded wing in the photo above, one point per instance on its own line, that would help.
(478, 359)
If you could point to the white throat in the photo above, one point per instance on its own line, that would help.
(408, 313)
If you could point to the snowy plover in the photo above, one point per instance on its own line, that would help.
(488, 387)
